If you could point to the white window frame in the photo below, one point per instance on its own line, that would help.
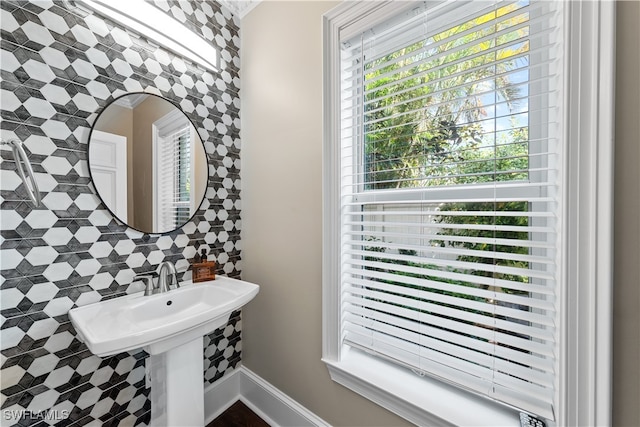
(584, 380)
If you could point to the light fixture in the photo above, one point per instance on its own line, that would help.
(149, 21)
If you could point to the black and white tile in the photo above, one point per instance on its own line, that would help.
(60, 65)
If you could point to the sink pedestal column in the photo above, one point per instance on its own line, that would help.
(177, 386)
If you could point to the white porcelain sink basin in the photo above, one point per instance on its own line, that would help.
(160, 322)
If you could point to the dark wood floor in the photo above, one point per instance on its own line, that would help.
(238, 415)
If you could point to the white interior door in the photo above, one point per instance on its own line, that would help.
(108, 153)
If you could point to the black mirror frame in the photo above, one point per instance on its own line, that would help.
(97, 193)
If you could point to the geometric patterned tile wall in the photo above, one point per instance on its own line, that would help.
(60, 66)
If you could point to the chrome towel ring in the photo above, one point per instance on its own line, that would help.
(23, 166)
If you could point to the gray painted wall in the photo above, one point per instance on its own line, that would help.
(626, 281)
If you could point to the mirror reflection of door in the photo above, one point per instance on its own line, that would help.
(109, 170)
(166, 173)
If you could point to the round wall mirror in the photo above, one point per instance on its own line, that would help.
(147, 163)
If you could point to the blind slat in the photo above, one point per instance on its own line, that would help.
(414, 298)
(477, 351)
(414, 290)
(410, 322)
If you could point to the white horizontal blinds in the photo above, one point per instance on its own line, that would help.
(174, 178)
(450, 196)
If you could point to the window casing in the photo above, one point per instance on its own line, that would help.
(397, 270)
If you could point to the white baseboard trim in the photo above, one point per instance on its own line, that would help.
(220, 395)
(272, 405)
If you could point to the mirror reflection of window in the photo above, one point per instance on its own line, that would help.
(173, 198)
(183, 182)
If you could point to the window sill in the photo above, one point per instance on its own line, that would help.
(421, 400)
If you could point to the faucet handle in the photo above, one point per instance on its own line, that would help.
(148, 281)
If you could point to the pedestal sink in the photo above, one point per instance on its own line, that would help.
(170, 327)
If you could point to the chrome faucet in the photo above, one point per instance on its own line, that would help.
(166, 276)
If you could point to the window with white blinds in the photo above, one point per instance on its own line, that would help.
(173, 163)
(450, 195)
